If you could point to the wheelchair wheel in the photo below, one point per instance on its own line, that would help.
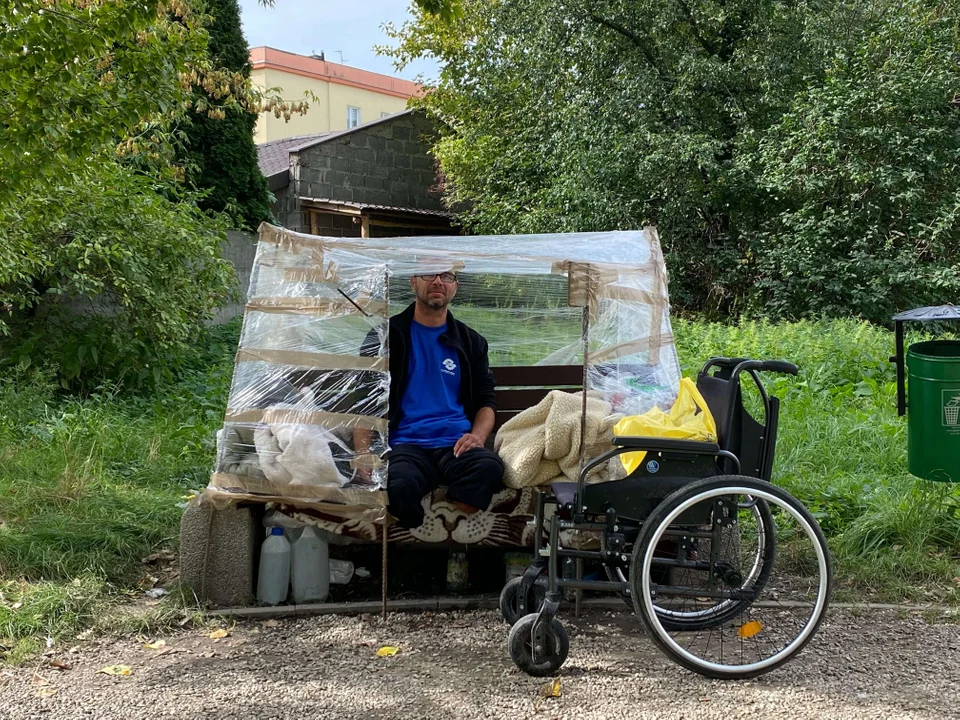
(510, 596)
(745, 609)
(763, 552)
(555, 650)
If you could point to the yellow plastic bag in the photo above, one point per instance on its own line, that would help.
(688, 419)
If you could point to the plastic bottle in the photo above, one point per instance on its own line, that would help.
(309, 567)
(274, 580)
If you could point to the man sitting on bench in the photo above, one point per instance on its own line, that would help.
(442, 406)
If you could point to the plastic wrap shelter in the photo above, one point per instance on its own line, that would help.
(302, 387)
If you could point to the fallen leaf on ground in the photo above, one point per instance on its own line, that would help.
(548, 690)
(46, 692)
(749, 629)
(60, 664)
(148, 582)
(155, 645)
(551, 689)
(39, 680)
(217, 634)
(115, 670)
(387, 651)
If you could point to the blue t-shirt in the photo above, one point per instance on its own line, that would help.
(432, 415)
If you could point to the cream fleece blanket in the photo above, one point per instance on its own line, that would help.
(542, 444)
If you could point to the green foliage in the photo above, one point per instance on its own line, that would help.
(776, 144)
(219, 152)
(93, 485)
(864, 170)
(152, 265)
(93, 99)
(79, 76)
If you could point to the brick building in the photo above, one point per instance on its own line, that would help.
(374, 180)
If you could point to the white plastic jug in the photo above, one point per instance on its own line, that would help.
(274, 579)
(309, 567)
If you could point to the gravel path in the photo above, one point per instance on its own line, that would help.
(455, 665)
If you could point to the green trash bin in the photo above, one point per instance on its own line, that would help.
(932, 396)
(933, 399)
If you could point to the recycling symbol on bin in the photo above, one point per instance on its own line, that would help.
(951, 409)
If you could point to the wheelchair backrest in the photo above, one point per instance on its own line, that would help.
(738, 431)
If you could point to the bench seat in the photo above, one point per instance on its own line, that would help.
(507, 523)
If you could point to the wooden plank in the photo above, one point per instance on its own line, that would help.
(520, 399)
(539, 375)
(502, 417)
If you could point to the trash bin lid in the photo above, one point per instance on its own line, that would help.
(934, 312)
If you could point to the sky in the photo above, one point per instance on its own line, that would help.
(352, 27)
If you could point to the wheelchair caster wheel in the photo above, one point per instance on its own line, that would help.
(510, 596)
(551, 656)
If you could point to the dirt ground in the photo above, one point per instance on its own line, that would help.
(870, 664)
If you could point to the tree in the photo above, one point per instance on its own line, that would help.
(568, 115)
(219, 152)
(92, 94)
(864, 170)
(113, 241)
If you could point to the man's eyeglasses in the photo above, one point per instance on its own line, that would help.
(447, 277)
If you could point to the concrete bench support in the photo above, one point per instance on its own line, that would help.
(226, 541)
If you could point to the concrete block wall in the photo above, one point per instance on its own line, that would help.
(388, 163)
(240, 249)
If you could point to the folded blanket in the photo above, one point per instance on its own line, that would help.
(542, 444)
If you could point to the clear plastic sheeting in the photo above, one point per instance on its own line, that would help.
(303, 396)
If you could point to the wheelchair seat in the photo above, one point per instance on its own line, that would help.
(564, 492)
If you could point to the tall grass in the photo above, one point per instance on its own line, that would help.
(91, 485)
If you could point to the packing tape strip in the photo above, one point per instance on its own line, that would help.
(320, 361)
(305, 417)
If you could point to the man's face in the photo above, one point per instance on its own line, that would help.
(435, 290)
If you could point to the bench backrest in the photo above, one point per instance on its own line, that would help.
(522, 386)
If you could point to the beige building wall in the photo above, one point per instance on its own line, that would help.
(336, 87)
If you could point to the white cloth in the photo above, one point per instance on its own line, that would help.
(296, 454)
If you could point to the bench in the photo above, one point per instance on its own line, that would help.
(506, 523)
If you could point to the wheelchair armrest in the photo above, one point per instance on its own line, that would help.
(659, 444)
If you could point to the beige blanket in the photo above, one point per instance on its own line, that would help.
(542, 444)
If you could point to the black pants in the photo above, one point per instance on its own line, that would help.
(414, 471)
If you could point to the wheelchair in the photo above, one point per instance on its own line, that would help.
(729, 573)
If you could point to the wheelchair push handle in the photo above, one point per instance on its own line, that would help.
(740, 365)
(780, 366)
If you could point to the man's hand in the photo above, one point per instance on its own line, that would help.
(468, 441)
(364, 474)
